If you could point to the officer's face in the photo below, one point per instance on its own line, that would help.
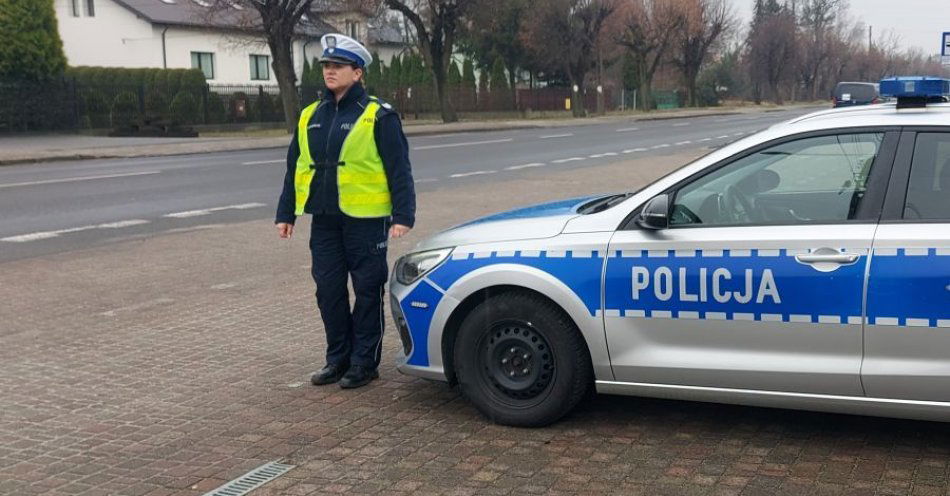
(340, 76)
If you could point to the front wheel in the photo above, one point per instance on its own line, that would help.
(521, 361)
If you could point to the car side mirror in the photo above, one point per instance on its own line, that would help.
(655, 215)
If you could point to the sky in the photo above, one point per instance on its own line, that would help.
(918, 23)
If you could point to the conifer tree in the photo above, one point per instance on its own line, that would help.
(454, 76)
(31, 48)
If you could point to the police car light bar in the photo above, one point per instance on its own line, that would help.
(915, 92)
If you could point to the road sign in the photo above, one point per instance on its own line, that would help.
(945, 49)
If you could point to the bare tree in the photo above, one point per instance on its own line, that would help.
(493, 31)
(773, 51)
(705, 21)
(563, 34)
(436, 24)
(647, 33)
(280, 21)
(817, 19)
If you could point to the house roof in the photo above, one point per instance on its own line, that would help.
(205, 13)
(385, 35)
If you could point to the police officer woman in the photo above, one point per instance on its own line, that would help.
(348, 166)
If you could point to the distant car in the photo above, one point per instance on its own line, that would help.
(806, 266)
(849, 94)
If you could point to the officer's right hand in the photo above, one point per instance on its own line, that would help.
(285, 230)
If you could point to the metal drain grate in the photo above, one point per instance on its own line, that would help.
(252, 480)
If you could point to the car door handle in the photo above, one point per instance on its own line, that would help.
(839, 258)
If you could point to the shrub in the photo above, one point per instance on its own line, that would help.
(173, 81)
(95, 106)
(184, 108)
(125, 110)
(192, 80)
(217, 111)
(156, 104)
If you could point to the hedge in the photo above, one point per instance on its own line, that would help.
(184, 108)
(125, 110)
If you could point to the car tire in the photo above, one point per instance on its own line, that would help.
(521, 360)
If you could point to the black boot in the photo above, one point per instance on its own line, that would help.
(358, 376)
(329, 374)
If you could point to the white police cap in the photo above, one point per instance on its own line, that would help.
(345, 50)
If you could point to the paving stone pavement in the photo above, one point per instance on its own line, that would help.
(170, 364)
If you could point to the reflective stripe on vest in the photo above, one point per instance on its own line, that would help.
(361, 181)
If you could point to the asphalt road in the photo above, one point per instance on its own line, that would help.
(62, 206)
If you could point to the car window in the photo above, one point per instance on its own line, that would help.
(817, 179)
(928, 192)
(858, 92)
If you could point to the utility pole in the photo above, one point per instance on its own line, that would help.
(870, 36)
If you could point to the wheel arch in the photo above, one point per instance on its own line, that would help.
(470, 302)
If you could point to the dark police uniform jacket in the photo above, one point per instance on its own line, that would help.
(327, 129)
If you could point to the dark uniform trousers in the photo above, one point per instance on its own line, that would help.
(340, 245)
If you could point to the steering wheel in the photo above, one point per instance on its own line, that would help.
(736, 205)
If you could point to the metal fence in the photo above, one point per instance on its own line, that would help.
(68, 105)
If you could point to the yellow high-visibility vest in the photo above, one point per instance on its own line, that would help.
(361, 180)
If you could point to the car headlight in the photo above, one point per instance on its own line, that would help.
(415, 265)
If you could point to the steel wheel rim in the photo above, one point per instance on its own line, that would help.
(516, 363)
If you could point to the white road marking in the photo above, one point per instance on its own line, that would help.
(206, 211)
(440, 135)
(467, 143)
(475, 173)
(122, 223)
(722, 137)
(681, 124)
(30, 237)
(75, 179)
(599, 155)
(262, 162)
(525, 166)
(563, 160)
(664, 145)
(634, 150)
(22, 238)
(627, 129)
(427, 180)
(706, 139)
(556, 136)
(681, 143)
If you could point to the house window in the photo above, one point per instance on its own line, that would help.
(203, 61)
(260, 68)
(352, 29)
(91, 8)
(74, 7)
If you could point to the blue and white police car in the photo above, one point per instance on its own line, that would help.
(806, 266)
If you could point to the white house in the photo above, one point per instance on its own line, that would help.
(188, 34)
